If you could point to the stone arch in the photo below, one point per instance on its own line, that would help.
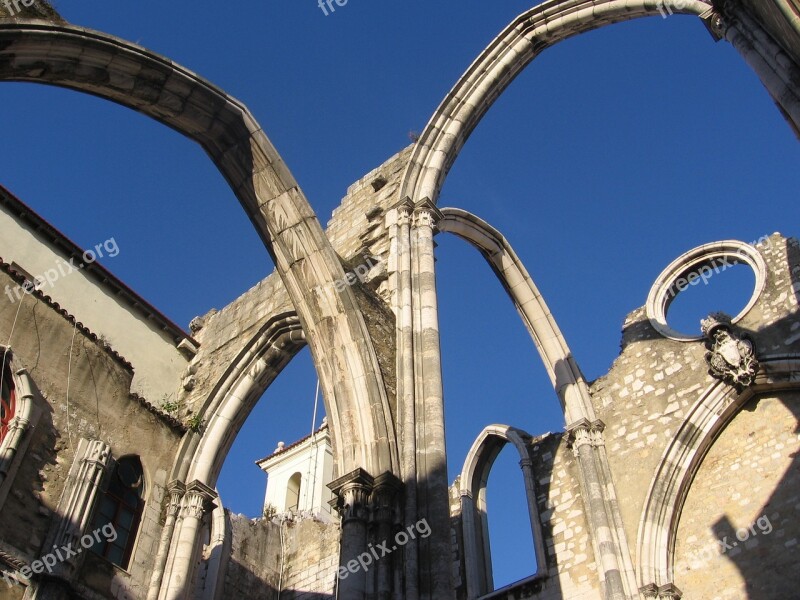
(472, 489)
(116, 70)
(711, 413)
(563, 370)
(543, 26)
(236, 394)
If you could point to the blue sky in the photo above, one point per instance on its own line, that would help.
(611, 155)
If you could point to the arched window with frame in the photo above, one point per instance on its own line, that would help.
(7, 396)
(293, 492)
(121, 507)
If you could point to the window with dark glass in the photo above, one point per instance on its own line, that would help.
(121, 506)
(7, 399)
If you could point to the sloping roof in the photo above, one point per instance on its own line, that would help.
(102, 275)
(285, 449)
(20, 279)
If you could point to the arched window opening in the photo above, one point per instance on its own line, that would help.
(285, 443)
(293, 492)
(512, 549)
(121, 508)
(7, 395)
(516, 532)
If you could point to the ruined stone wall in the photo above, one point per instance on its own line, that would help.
(355, 230)
(740, 521)
(100, 407)
(649, 389)
(310, 559)
(255, 561)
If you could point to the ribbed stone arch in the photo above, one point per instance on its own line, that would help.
(584, 430)
(116, 70)
(561, 366)
(545, 25)
(716, 407)
(236, 394)
(474, 518)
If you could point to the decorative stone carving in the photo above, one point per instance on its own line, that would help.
(426, 214)
(585, 433)
(176, 491)
(352, 495)
(92, 461)
(197, 501)
(650, 591)
(669, 592)
(715, 23)
(731, 356)
(385, 498)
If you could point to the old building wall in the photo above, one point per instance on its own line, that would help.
(306, 551)
(99, 406)
(355, 228)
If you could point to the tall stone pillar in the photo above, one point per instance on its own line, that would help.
(586, 439)
(352, 502)
(195, 504)
(400, 229)
(776, 69)
(176, 489)
(433, 503)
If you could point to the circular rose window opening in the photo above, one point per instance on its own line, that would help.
(724, 276)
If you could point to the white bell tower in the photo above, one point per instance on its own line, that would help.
(297, 477)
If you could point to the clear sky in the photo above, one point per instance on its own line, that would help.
(611, 155)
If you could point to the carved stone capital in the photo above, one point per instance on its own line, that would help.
(665, 592)
(176, 490)
(669, 592)
(715, 23)
(649, 591)
(426, 214)
(385, 498)
(404, 211)
(352, 495)
(585, 433)
(197, 501)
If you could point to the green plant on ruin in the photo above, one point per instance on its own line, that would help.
(169, 406)
(195, 423)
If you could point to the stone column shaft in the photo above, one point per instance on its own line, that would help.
(776, 70)
(352, 502)
(176, 490)
(196, 502)
(583, 436)
(433, 504)
(406, 390)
